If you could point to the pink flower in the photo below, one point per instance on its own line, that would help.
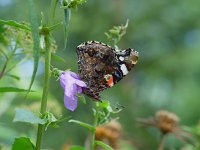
(71, 85)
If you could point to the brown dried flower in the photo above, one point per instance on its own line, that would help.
(166, 121)
(109, 133)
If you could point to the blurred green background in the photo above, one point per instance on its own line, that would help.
(166, 33)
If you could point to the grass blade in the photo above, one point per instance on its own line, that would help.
(13, 76)
(36, 39)
(12, 89)
(53, 9)
(67, 14)
(16, 24)
(57, 58)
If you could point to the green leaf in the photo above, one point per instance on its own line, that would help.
(16, 24)
(24, 115)
(22, 143)
(54, 26)
(57, 58)
(116, 33)
(36, 39)
(53, 9)
(67, 15)
(12, 89)
(73, 3)
(76, 148)
(107, 147)
(50, 119)
(13, 76)
(90, 127)
(104, 104)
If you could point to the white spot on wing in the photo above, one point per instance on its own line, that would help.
(124, 69)
(96, 42)
(103, 44)
(121, 58)
(81, 45)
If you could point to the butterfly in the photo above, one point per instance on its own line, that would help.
(100, 66)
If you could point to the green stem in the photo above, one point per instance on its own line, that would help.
(96, 116)
(161, 144)
(45, 90)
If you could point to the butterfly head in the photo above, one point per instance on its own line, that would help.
(134, 56)
(128, 56)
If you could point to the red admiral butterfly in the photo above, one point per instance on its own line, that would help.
(100, 66)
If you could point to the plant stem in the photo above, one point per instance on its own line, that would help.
(52, 10)
(7, 60)
(96, 116)
(45, 90)
(161, 145)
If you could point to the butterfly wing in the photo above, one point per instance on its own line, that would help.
(94, 61)
(101, 66)
(125, 61)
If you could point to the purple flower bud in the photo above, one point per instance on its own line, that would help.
(71, 85)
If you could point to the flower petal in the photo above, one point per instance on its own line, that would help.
(74, 75)
(70, 104)
(70, 90)
(62, 80)
(80, 83)
(72, 85)
(70, 98)
(79, 89)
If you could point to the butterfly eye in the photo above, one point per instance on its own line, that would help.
(134, 58)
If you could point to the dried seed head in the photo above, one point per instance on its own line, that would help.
(109, 133)
(166, 121)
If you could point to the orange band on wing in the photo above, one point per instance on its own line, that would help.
(110, 81)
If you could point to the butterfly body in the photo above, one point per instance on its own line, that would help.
(101, 66)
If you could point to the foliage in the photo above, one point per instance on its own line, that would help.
(73, 3)
(107, 147)
(22, 143)
(24, 115)
(115, 34)
(36, 39)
